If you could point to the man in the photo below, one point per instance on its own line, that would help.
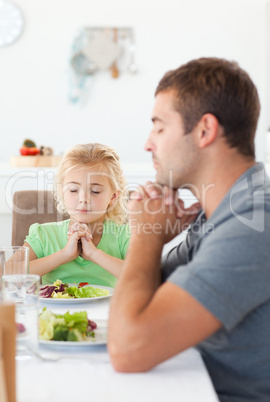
(215, 293)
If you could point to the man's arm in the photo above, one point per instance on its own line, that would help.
(148, 324)
(179, 255)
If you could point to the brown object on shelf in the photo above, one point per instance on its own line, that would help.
(35, 161)
(115, 71)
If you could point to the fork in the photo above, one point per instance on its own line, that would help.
(56, 358)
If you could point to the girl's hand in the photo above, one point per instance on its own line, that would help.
(88, 247)
(73, 247)
(85, 236)
(78, 227)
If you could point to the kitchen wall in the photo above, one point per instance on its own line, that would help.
(34, 78)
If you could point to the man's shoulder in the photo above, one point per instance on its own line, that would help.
(246, 205)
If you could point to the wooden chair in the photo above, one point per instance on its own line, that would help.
(32, 206)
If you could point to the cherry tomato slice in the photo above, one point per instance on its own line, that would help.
(82, 284)
(33, 151)
(29, 151)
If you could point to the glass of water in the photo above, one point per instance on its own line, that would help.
(14, 260)
(23, 291)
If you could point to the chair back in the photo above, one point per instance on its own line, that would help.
(32, 206)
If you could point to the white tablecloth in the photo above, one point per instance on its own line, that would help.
(85, 373)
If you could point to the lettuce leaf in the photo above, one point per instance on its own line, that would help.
(77, 320)
(47, 322)
(62, 327)
(87, 291)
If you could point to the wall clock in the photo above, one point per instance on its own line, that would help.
(11, 23)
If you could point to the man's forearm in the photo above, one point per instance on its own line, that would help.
(140, 277)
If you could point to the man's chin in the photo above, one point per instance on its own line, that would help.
(165, 181)
(161, 180)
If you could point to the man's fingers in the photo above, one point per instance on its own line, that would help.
(180, 207)
(136, 195)
(153, 190)
(192, 210)
(170, 196)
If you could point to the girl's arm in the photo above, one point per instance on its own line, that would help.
(41, 266)
(89, 252)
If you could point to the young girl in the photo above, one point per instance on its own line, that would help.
(91, 245)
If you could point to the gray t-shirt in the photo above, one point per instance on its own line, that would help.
(224, 263)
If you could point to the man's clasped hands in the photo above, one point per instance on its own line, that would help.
(157, 210)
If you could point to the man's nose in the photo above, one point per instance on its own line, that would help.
(148, 146)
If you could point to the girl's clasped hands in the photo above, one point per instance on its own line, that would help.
(80, 241)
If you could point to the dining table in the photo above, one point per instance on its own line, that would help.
(78, 372)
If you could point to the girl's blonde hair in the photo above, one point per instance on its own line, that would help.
(100, 156)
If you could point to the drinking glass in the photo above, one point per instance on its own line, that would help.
(23, 291)
(14, 260)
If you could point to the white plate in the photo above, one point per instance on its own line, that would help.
(80, 300)
(100, 337)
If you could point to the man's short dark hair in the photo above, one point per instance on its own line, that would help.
(220, 87)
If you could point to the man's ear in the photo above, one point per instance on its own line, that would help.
(208, 128)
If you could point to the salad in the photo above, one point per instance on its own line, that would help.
(74, 327)
(60, 290)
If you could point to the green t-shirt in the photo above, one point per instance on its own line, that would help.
(48, 238)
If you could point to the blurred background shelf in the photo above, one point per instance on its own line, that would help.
(35, 161)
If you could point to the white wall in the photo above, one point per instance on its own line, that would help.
(34, 79)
